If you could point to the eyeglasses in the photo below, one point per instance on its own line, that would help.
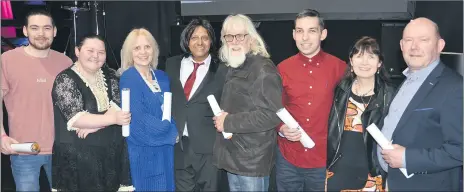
(238, 37)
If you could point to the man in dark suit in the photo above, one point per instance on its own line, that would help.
(195, 75)
(425, 117)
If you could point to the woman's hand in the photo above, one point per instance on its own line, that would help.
(118, 117)
(82, 133)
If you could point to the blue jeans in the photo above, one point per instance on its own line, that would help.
(245, 183)
(292, 178)
(26, 170)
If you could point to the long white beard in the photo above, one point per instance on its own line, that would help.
(235, 61)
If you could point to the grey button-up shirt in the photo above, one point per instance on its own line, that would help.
(405, 94)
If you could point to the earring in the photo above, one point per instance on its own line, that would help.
(378, 71)
(352, 70)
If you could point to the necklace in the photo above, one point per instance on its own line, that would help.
(366, 104)
(97, 86)
(363, 95)
(152, 83)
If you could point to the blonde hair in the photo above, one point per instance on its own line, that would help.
(258, 47)
(128, 46)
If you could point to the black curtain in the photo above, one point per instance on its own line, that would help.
(113, 20)
(277, 35)
(122, 17)
(342, 34)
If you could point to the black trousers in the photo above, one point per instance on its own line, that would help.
(198, 172)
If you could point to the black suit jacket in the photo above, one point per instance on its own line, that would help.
(431, 131)
(196, 112)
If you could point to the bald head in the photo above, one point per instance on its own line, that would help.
(423, 22)
(421, 44)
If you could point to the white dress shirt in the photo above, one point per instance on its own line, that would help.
(186, 68)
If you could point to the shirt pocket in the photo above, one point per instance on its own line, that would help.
(239, 82)
(424, 124)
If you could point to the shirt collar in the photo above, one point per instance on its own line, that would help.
(315, 59)
(424, 72)
(207, 61)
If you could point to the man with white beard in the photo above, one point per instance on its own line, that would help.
(251, 96)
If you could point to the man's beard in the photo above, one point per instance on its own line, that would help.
(237, 60)
(44, 46)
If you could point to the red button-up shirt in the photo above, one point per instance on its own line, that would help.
(308, 85)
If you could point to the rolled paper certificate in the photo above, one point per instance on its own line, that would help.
(383, 143)
(287, 118)
(125, 100)
(306, 140)
(26, 147)
(217, 112)
(167, 106)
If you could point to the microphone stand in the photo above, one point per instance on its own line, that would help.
(95, 4)
(74, 10)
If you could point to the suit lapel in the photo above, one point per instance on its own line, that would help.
(420, 95)
(176, 85)
(176, 73)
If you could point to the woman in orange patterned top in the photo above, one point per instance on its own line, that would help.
(361, 98)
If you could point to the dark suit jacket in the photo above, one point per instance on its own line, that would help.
(196, 112)
(431, 131)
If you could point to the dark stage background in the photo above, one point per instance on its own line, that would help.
(165, 22)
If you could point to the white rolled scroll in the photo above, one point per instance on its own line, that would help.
(32, 147)
(125, 104)
(383, 143)
(287, 118)
(167, 106)
(217, 112)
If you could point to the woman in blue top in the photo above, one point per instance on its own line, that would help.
(151, 141)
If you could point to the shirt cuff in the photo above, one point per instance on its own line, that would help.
(126, 188)
(115, 106)
(404, 159)
(70, 123)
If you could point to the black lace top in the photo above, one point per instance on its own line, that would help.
(99, 162)
(72, 96)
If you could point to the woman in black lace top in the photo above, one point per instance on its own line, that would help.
(89, 153)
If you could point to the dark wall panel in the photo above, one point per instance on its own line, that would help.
(448, 16)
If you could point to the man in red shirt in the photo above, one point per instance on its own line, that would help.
(309, 79)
